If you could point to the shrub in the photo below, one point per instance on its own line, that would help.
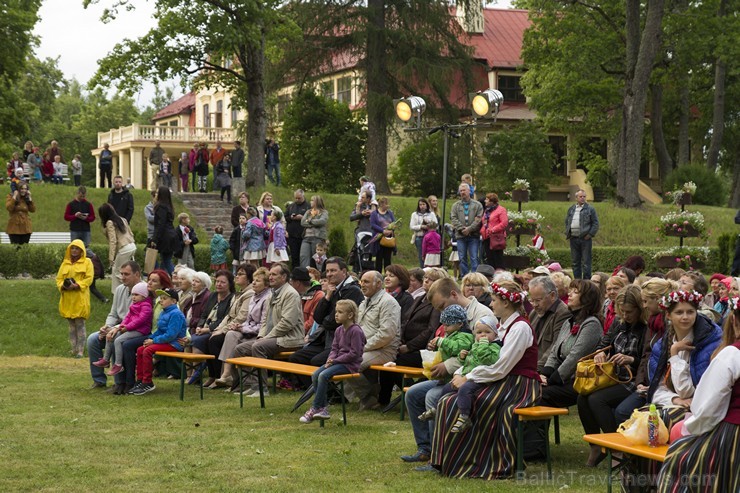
(337, 243)
(711, 189)
(726, 246)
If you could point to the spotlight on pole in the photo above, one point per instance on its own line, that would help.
(485, 104)
(410, 108)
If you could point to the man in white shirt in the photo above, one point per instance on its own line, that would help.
(581, 225)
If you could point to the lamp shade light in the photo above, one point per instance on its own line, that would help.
(485, 104)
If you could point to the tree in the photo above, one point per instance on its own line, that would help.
(322, 145)
(208, 43)
(404, 47)
(518, 152)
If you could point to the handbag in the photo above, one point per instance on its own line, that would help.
(388, 241)
(592, 376)
(150, 259)
(497, 241)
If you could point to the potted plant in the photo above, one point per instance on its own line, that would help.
(520, 191)
(683, 195)
(524, 256)
(683, 224)
(599, 176)
(689, 258)
(524, 222)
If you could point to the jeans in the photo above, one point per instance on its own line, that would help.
(468, 245)
(167, 262)
(417, 241)
(580, 255)
(419, 398)
(276, 168)
(80, 235)
(308, 248)
(625, 408)
(105, 174)
(313, 354)
(128, 376)
(321, 379)
(95, 352)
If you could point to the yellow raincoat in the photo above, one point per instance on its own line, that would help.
(75, 303)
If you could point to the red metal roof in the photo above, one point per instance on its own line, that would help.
(183, 105)
(500, 45)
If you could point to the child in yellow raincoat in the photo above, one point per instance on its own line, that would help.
(74, 278)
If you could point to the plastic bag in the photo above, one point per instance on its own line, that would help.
(635, 429)
(428, 360)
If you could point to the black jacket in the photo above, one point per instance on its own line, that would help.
(123, 203)
(235, 242)
(221, 312)
(164, 233)
(180, 242)
(293, 226)
(324, 312)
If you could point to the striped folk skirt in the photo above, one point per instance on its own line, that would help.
(704, 463)
(488, 448)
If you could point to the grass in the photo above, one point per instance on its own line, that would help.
(619, 226)
(59, 436)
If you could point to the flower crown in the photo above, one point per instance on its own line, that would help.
(511, 296)
(734, 303)
(674, 297)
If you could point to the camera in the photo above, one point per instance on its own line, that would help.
(68, 282)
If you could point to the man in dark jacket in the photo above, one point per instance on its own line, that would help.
(547, 316)
(581, 225)
(121, 199)
(293, 215)
(80, 213)
(341, 287)
(106, 166)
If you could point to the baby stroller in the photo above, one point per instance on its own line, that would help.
(360, 258)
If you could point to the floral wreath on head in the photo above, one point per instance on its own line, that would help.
(734, 303)
(674, 297)
(510, 296)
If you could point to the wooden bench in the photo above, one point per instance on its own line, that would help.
(407, 372)
(282, 366)
(43, 237)
(188, 361)
(618, 443)
(537, 413)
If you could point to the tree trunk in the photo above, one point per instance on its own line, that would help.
(638, 73)
(718, 114)
(256, 114)
(735, 190)
(376, 166)
(684, 152)
(665, 163)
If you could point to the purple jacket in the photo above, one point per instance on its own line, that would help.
(348, 346)
(277, 236)
(139, 317)
(257, 313)
(432, 243)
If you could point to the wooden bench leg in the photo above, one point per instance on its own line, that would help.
(547, 451)
(261, 389)
(183, 370)
(274, 382)
(200, 382)
(241, 387)
(519, 448)
(609, 465)
(403, 403)
(557, 429)
(344, 404)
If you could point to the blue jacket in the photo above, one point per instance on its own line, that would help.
(707, 336)
(588, 219)
(171, 327)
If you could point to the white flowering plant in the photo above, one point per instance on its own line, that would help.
(524, 219)
(536, 256)
(685, 257)
(682, 222)
(520, 184)
(689, 187)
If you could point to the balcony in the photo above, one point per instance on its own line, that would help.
(144, 134)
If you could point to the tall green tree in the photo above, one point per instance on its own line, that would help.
(322, 144)
(209, 44)
(403, 47)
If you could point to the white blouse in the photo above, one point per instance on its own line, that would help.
(712, 398)
(680, 377)
(417, 219)
(517, 341)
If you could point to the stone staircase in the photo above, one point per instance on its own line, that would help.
(207, 211)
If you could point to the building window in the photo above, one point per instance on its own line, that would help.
(282, 105)
(327, 89)
(344, 90)
(234, 117)
(173, 123)
(206, 115)
(219, 114)
(510, 88)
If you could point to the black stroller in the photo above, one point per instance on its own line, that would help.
(359, 257)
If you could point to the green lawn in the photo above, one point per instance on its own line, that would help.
(58, 436)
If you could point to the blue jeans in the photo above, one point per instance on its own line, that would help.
(625, 408)
(167, 262)
(321, 378)
(580, 255)
(85, 236)
(417, 241)
(468, 245)
(276, 169)
(419, 398)
(95, 349)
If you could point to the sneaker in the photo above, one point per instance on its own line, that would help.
(256, 393)
(322, 413)
(285, 385)
(308, 417)
(143, 389)
(115, 370)
(428, 415)
(135, 388)
(102, 363)
(462, 424)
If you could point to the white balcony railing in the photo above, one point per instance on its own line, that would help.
(150, 133)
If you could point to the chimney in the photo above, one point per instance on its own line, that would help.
(471, 19)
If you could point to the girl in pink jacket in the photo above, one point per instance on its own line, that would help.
(431, 248)
(137, 323)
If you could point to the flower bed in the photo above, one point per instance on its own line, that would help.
(683, 224)
(690, 258)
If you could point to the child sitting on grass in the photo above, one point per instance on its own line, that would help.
(345, 357)
(457, 338)
(138, 322)
(171, 327)
(219, 247)
(485, 352)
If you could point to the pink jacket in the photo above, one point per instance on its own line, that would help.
(494, 222)
(139, 317)
(432, 243)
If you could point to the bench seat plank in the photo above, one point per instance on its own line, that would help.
(615, 441)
